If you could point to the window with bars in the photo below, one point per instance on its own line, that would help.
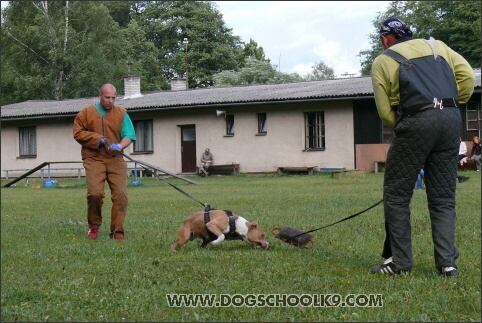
(473, 119)
(229, 125)
(315, 131)
(27, 141)
(144, 135)
(262, 126)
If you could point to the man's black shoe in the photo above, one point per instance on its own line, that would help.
(388, 267)
(449, 271)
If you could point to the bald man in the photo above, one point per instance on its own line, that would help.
(103, 130)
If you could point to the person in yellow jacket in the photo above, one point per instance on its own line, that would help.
(104, 130)
(418, 86)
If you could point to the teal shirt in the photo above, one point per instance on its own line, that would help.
(127, 130)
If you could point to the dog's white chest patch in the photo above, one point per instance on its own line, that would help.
(241, 227)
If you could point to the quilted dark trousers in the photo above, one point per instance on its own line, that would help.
(429, 139)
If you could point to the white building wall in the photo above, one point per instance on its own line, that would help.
(282, 145)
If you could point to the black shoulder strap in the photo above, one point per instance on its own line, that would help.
(232, 223)
(207, 218)
(398, 57)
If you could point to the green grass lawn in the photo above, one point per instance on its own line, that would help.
(51, 271)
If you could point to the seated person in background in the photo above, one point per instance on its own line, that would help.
(475, 153)
(206, 160)
(462, 152)
(462, 160)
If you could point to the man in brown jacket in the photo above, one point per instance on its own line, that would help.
(104, 130)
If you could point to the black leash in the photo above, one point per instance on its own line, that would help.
(208, 206)
(329, 225)
(158, 176)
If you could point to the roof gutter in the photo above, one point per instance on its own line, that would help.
(237, 104)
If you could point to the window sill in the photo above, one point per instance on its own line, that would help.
(142, 153)
(313, 149)
(27, 157)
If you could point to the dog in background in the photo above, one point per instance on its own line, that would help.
(217, 226)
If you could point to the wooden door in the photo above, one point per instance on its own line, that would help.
(188, 148)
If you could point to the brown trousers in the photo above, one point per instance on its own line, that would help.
(98, 170)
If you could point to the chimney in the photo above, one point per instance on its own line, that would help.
(178, 84)
(132, 87)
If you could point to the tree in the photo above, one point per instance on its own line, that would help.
(226, 78)
(27, 58)
(252, 50)
(456, 23)
(281, 77)
(97, 52)
(121, 11)
(320, 71)
(58, 49)
(255, 72)
(67, 49)
(142, 57)
(211, 48)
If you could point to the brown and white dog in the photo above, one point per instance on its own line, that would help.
(218, 227)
